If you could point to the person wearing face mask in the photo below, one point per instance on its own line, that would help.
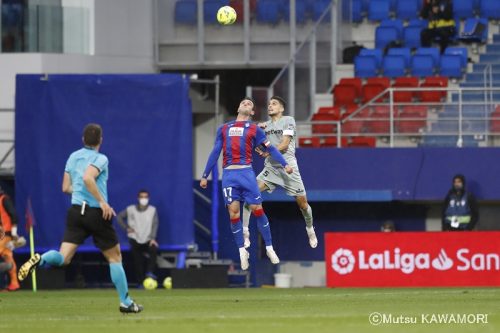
(460, 211)
(141, 227)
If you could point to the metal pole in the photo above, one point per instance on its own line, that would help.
(333, 44)
(460, 139)
(246, 31)
(312, 74)
(291, 70)
(391, 117)
(339, 134)
(215, 179)
(156, 39)
(201, 33)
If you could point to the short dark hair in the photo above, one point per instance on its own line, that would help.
(92, 134)
(281, 100)
(142, 190)
(248, 98)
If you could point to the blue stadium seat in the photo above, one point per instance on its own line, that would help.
(411, 36)
(388, 31)
(396, 62)
(186, 12)
(378, 10)
(368, 63)
(463, 9)
(356, 10)
(418, 23)
(210, 8)
(407, 9)
(470, 32)
(454, 62)
(424, 62)
(490, 9)
(268, 11)
(300, 11)
(319, 6)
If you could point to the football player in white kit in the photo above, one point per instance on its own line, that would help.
(280, 131)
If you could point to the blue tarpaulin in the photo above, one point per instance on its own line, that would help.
(147, 136)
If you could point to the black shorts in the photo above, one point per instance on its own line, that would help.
(79, 227)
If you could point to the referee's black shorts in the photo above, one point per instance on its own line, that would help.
(79, 227)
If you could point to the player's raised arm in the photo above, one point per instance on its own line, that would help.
(264, 144)
(212, 159)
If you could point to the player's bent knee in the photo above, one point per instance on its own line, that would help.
(258, 211)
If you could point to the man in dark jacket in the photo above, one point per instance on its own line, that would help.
(460, 211)
(441, 27)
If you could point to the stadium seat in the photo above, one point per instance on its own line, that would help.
(354, 125)
(326, 114)
(404, 96)
(396, 62)
(388, 31)
(379, 122)
(268, 11)
(356, 10)
(332, 142)
(472, 32)
(300, 11)
(373, 87)
(412, 119)
(210, 8)
(411, 36)
(454, 62)
(490, 9)
(186, 12)
(347, 92)
(309, 142)
(368, 63)
(407, 9)
(330, 110)
(463, 9)
(378, 10)
(432, 96)
(318, 8)
(238, 7)
(363, 142)
(425, 61)
(495, 121)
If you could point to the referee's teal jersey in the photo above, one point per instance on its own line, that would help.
(76, 165)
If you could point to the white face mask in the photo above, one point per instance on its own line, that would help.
(143, 201)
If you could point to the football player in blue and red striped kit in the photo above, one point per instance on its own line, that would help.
(237, 140)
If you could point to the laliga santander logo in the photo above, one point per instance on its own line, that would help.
(343, 261)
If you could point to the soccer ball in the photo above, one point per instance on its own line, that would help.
(226, 15)
(167, 283)
(150, 284)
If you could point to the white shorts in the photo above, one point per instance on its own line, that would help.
(274, 177)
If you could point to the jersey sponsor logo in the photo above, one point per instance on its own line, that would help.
(236, 131)
(280, 132)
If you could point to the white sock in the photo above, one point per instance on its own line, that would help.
(269, 248)
(243, 251)
(245, 230)
(308, 217)
(246, 217)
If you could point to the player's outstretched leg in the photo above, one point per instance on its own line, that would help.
(48, 259)
(119, 279)
(265, 231)
(237, 229)
(306, 211)
(246, 223)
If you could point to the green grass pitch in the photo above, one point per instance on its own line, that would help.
(308, 310)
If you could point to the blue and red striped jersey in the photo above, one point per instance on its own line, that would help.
(239, 138)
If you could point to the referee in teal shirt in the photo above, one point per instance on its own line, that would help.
(85, 178)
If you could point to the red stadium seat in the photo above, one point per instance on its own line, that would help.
(431, 96)
(332, 142)
(416, 116)
(405, 82)
(373, 87)
(356, 124)
(369, 142)
(325, 128)
(312, 142)
(381, 126)
(495, 121)
(330, 110)
(347, 92)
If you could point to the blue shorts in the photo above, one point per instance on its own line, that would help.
(240, 185)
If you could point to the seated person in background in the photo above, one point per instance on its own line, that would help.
(141, 227)
(460, 211)
(388, 226)
(441, 27)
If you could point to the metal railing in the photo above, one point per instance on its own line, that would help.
(454, 118)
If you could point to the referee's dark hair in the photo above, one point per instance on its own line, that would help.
(92, 134)
(280, 100)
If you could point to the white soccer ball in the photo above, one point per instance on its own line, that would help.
(167, 283)
(150, 283)
(226, 15)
